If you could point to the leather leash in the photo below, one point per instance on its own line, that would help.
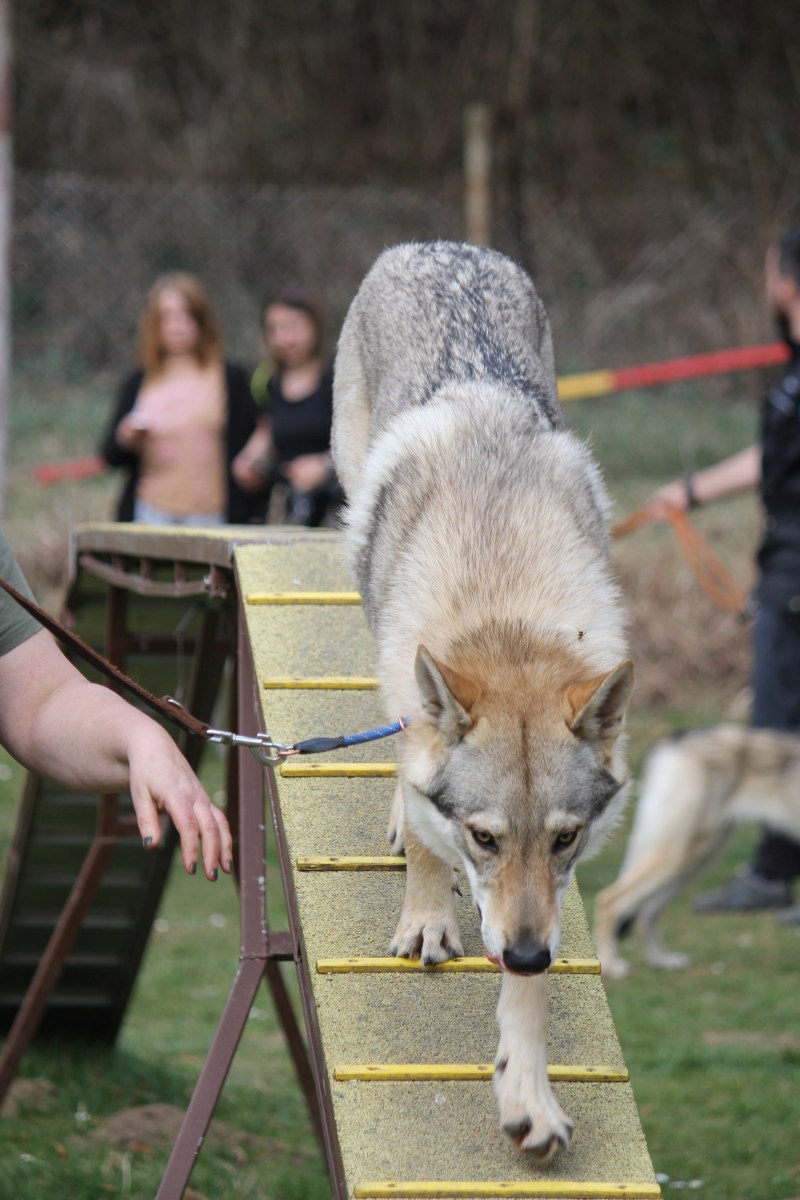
(715, 579)
(165, 706)
(266, 750)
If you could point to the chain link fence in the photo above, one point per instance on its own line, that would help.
(85, 252)
(642, 276)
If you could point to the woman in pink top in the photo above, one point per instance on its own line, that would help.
(182, 418)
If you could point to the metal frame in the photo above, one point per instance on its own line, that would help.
(134, 556)
(261, 951)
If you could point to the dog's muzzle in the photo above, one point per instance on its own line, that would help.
(526, 958)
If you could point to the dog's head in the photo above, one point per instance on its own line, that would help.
(513, 780)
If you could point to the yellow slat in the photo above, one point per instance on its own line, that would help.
(466, 1072)
(339, 770)
(557, 1189)
(345, 966)
(303, 598)
(353, 862)
(337, 683)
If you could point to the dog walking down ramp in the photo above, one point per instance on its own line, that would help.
(403, 1054)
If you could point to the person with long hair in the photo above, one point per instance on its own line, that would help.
(295, 388)
(182, 417)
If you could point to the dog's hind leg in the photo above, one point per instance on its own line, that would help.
(650, 912)
(529, 1112)
(642, 893)
(645, 924)
(623, 900)
(428, 926)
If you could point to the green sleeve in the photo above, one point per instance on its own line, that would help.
(16, 626)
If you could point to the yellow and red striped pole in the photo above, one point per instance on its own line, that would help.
(694, 366)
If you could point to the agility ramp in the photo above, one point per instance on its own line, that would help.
(407, 1051)
(399, 1056)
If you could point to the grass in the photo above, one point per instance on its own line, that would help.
(714, 1052)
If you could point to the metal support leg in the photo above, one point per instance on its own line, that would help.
(210, 1083)
(259, 955)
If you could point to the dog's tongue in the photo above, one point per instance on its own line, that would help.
(498, 962)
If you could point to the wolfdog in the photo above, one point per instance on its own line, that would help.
(696, 786)
(476, 528)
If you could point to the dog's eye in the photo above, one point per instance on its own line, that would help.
(566, 838)
(484, 839)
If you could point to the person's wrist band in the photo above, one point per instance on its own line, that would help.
(691, 497)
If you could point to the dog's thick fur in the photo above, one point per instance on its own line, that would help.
(695, 788)
(477, 531)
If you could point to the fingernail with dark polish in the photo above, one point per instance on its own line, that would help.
(147, 843)
(230, 864)
(193, 868)
(213, 875)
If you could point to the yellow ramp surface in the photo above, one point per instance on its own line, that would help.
(408, 1052)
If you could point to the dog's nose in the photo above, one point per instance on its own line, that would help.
(527, 958)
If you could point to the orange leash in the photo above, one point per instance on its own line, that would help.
(715, 579)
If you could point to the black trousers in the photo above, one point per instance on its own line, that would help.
(776, 705)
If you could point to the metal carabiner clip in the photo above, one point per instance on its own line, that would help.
(268, 752)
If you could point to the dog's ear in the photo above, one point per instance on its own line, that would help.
(598, 705)
(447, 695)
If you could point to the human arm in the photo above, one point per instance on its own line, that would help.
(55, 721)
(738, 473)
(309, 471)
(249, 467)
(119, 451)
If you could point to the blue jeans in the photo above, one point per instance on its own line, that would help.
(776, 705)
(148, 514)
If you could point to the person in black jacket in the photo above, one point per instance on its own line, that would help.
(182, 418)
(774, 467)
(295, 391)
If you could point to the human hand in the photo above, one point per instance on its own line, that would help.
(308, 471)
(250, 466)
(161, 780)
(669, 498)
(248, 473)
(131, 431)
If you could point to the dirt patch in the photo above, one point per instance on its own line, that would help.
(150, 1128)
(37, 1094)
(752, 1038)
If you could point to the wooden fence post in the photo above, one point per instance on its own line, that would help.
(477, 174)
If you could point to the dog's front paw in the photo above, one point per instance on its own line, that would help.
(530, 1115)
(431, 937)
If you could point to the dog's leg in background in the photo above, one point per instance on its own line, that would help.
(643, 892)
(428, 926)
(529, 1112)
